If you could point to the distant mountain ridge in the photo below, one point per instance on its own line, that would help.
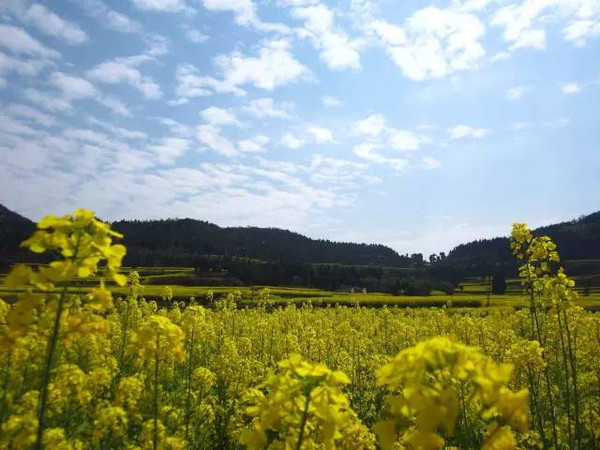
(186, 242)
(14, 228)
(577, 239)
(185, 239)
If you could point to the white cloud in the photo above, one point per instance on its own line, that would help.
(19, 41)
(219, 116)
(160, 5)
(120, 132)
(76, 166)
(12, 126)
(571, 88)
(368, 152)
(253, 145)
(298, 2)
(245, 14)
(190, 84)
(31, 114)
(372, 125)
(389, 33)
(116, 71)
(336, 49)
(73, 88)
(46, 100)
(28, 67)
(331, 102)
(115, 105)
(579, 31)
(500, 56)
(178, 101)
(244, 10)
(517, 92)
(211, 137)
(266, 108)
(429, 163)
(274, 66)
(403, 140)
(291, 141)
(108, 17)
(320, 135)
(462, 131)
(169, 149)
(334, 171)
(156, 45)
(123, 70)
(517, 20)
(49, 23)
(177, 128)
(433, 42)
(194, 35)
(85, 135)
(375, 126)
(525, 22)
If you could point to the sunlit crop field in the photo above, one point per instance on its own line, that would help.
(92, 358)
(473, 294)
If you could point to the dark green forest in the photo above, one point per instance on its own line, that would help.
(576, 240)
(272, 256)
(184, 241)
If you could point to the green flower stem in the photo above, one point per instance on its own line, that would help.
(49, 362)
(303, 423)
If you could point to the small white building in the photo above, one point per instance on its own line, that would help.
(358, 290)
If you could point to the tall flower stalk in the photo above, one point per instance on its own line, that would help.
(84, 245)
(551, 294)
(158, 339)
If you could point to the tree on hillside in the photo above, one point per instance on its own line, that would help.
(498, 284)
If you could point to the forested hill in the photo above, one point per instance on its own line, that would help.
(182, 241)
(14, 228)
(576, 240)
(187, 242)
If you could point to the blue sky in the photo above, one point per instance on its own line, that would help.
(418, 124)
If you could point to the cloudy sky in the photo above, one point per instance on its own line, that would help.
(417, 124)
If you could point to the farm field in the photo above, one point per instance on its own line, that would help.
(94, 361)
(472, 294)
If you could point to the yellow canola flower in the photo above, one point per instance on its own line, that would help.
(84, 244)
(423, 380)
(499, 438)
(527, 354)
(83, 241)
(18, 432)
(71, 383)
(156, 338)
(304, 408)
(129, 392)
(110, 421)
(101, 298)
(56, 439)
(203, 379)
(164, 442)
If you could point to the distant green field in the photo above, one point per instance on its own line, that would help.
(471, 293)
(478, 286)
